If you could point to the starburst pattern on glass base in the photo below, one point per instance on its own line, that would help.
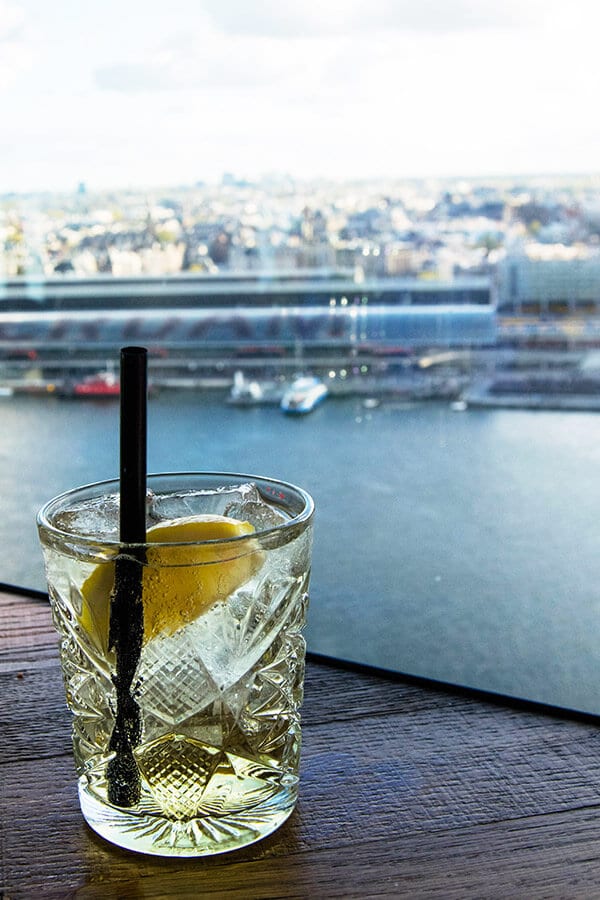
(199, 836)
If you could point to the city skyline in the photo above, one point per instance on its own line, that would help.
(180, 94)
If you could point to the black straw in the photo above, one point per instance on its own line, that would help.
(126, 629)
(133, 445)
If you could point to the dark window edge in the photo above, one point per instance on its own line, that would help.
(431, 684)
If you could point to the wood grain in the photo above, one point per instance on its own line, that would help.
(406, 791)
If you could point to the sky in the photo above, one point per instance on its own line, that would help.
(139, 93)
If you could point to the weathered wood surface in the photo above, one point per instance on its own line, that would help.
(406, 791)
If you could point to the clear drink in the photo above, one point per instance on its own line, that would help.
(187, 742)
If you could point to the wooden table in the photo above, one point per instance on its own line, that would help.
(407, 790)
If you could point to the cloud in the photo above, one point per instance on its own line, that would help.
(16, 56)
(293, 47)
(342, 17)
(132, 77)
(200, 61)
(11, 20)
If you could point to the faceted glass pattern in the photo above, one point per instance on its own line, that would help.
(219, 701)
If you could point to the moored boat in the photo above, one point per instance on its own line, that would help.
(303, 395)
(101, 384)
(251, 392)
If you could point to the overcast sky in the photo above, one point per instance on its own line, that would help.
(141, 93)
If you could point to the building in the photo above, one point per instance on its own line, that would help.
(259, 314)
(549, 280)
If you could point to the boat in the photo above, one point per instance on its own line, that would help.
(458, 405)
(101, 384)
(303, 395)
(371, 402)
(245, 392)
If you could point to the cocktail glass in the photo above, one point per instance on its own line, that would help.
(209, 722)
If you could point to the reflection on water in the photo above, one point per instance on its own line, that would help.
(463, 547)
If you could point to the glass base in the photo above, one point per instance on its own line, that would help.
(201, 836)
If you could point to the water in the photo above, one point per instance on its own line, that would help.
(460, 546)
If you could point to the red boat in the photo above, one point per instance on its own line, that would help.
(102, 384)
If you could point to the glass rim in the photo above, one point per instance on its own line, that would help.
(44, 523)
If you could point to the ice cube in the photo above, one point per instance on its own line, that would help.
(250, 507)
(97, 518)
(179, 504)
(235, 634)
(171, 680)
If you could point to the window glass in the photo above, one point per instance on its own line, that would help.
(401, 200)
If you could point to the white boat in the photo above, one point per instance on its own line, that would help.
(303, 395)
(246, 392)
(371, 402)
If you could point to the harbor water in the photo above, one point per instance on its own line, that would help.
(460, 546)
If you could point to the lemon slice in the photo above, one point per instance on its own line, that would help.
(179, 583)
